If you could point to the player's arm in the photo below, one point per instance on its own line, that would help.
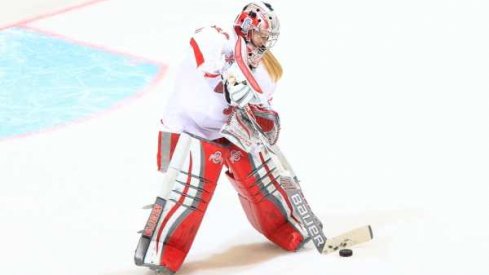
(208, 46)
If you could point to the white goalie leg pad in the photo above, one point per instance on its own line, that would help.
(186, 193)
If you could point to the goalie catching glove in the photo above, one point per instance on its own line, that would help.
(249, 127)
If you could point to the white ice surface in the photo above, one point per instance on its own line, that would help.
(385, 112)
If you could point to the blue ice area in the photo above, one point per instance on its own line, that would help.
(46, 81)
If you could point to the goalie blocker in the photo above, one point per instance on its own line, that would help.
(177, 215)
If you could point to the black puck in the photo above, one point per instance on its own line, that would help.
(346, 252)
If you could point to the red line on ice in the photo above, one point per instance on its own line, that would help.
(51, 14)
(144, 91)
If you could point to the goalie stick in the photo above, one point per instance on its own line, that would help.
(348, 239)
(290, 183)
(289, 180)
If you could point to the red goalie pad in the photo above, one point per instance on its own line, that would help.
(266, 204)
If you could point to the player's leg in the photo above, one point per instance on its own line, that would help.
(185, 206)
(256, 179)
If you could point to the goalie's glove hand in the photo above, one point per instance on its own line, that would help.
(239, 93)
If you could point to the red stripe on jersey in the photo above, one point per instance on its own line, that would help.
(199, 58)
(211, 75)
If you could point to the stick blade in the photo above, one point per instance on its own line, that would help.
(348, 239)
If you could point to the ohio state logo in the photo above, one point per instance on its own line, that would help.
(216, 158)
(235, 156)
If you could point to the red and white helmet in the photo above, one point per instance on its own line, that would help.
(258, 16)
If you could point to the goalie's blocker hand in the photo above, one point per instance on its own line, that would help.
(239, 93)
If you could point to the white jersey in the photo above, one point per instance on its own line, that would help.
(198, 104)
